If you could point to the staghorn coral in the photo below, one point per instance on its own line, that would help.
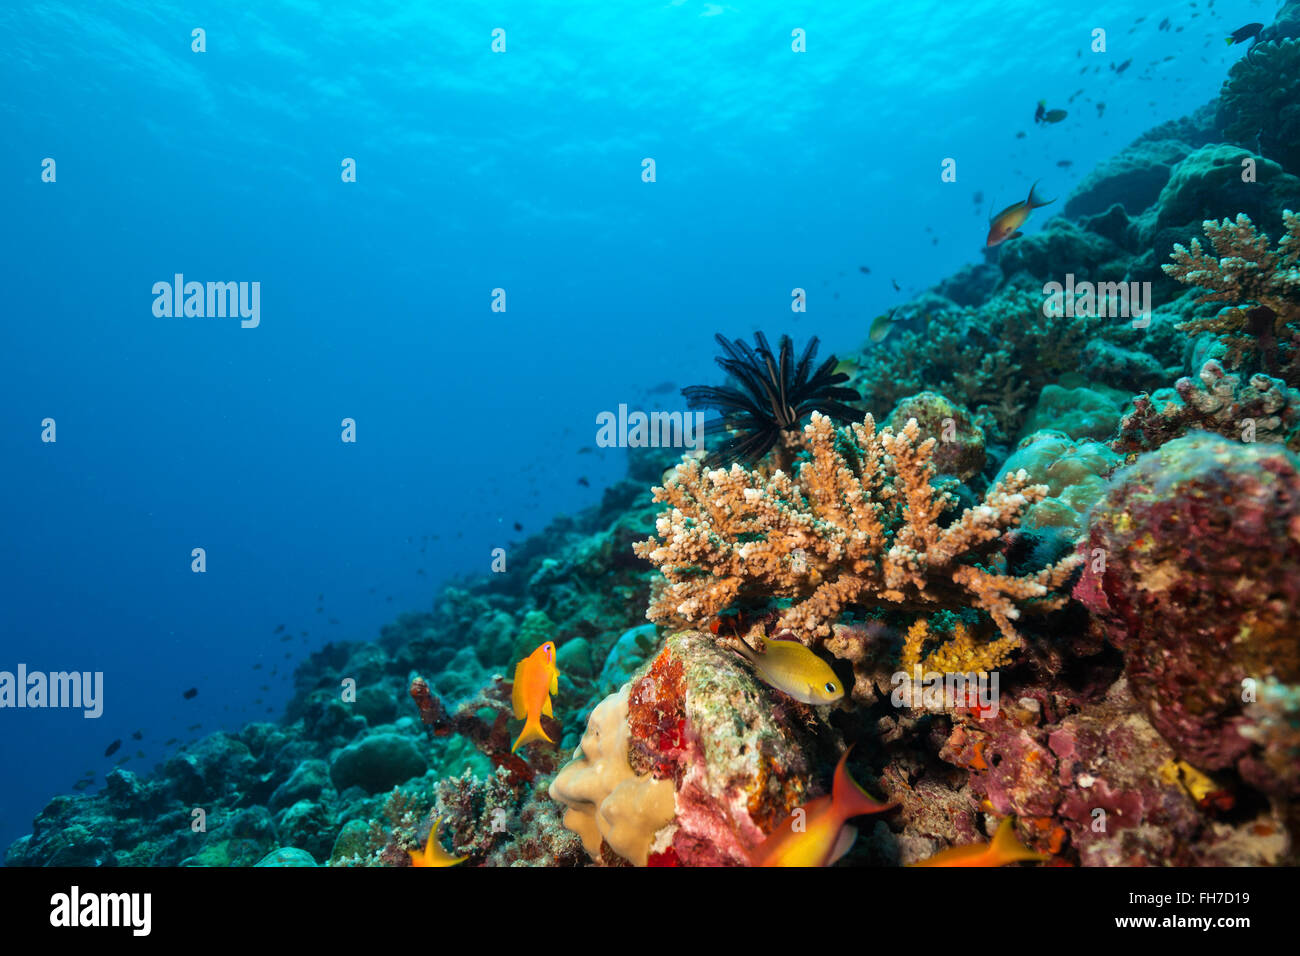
(1264, 409)
(1263, 326)
(860, 527)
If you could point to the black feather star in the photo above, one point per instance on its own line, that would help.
(773, 394)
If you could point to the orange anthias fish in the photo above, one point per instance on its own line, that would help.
(433, 854)
(536, 679)
(822, 834)
(1006, 224)
(1004, 848)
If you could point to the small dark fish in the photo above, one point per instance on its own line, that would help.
(122, 760)
(279, 630)
(89, 773)
(264, 687)
(140, 754)
(1020, 134)
(335, 620)
(170, 741)
(258, 701)
(663, 388)
(865, 270)
(1063, 163)
(1123, 66)
(257, 666)
(193, 727)
(1101, 108)
(584, 482)
(138, 735)
(585, 450)
(1164, 24)
(320, 610)
(978, 197)
(1044, 115)
(287, 637)
(191, 693)
(1075, 95)
(81, 785)
(897, 287)
(1250, 31)
(518, 526)
(113, 748)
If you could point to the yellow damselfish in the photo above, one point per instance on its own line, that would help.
(790, 667)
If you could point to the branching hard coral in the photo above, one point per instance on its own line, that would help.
(774, 394)
(862, 526)
(1263, 409)
(1263, 324)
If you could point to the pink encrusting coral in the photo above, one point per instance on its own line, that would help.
(1200, 588)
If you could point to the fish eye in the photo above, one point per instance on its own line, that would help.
(830, 687)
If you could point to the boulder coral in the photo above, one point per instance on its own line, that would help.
(607, 801)
(1199, 588)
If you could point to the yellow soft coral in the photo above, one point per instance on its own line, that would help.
(960, 654)
(860, 526)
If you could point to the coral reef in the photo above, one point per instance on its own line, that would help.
(861, 527)
(1263, 409)
(1136, 485)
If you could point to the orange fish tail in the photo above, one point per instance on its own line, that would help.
(532, 731)
(1006, 848)
(1033, 202)
(850, 800)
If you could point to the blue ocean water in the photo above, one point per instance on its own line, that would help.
(476, 170)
